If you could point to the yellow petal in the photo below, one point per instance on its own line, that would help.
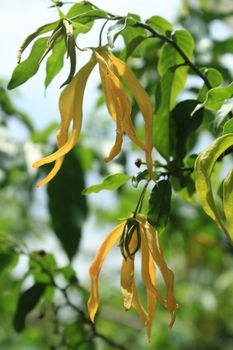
(77, 89)
(157, 254)
(168, 275)
(127, 274)
(139, 308)
(117, 101)
(93, 302)
(148, 276)
(143, 101)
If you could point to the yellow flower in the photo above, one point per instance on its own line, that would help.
(70, 105)
(134, 234)
(112, 70)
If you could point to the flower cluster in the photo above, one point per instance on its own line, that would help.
(112, 71)
(134, 234)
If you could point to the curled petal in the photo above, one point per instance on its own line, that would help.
(71, 109)
(93, 302)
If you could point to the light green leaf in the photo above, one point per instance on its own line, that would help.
(228, 202)
(203, 169)
(216, 97)
(170, 59)
(79, 9)
(115, 30)
(228, 127)
(110, 183)
(41, 30)
(55, 62)
(30, 66)
(215, 79)
(160, 25)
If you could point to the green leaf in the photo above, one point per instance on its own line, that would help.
(203, 169)
(79, 9)
(110, 183)
(30, 66)
(26, 303)
(142, 175)
(216, 97)
(171, 60)
(55, 62)
(228, 127)
(41, 30)
(115, 30)
(169, 57)
(228, 202)
(160, 25)
(183, 126)
(68, 208)
(224, 112)
(159, 205)
(215, 79)
(90, 16)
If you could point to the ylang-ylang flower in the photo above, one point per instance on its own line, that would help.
(112, 72)
(134, 234)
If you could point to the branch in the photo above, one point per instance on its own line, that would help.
(173, 43)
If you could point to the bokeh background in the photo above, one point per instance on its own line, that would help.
(32, 221)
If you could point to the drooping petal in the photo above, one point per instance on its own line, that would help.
(157, 254)
(117, 101)
(142, 98)
(148, 276)
(127, 274)
(93, 302)
(152, 300)
(73, 111)
(138, 306)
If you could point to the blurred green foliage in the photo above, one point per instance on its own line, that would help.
(43, 301)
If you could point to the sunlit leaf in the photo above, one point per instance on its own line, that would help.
(30, 66)
(110, 183)
(160, 25)
(203, 169)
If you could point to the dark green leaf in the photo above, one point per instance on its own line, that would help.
(26, 303)
(160, 25)
(115, 30)
(184, 126)
(68, 208)
(142, 175)
(7, 259)
(110, 183)
(159, 205)
(30, 66)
